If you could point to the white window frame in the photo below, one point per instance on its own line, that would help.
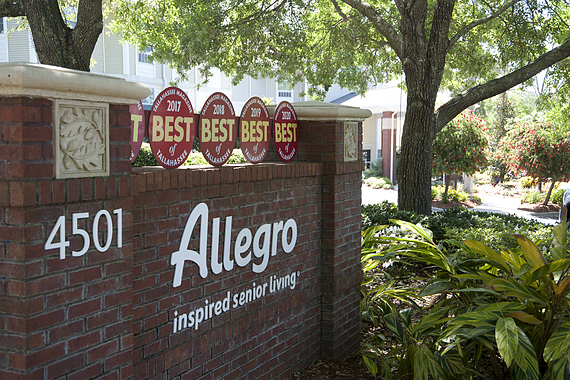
(284, 90)
(143, 56)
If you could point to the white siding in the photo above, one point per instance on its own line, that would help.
(113, 54)
(241, 91)
(168, 72)
(3, 42)
(369, 133)
(98, 57)
(133, 60)
(144, 69)
(226, 83)
(259, 88)
(18, 44)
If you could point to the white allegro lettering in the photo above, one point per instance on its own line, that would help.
(262, 244)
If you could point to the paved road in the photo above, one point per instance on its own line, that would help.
(498, 204)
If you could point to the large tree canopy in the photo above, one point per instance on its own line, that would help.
(477, 48)
(56, 42)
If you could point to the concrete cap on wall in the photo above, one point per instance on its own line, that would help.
(51, 82)
(313, 110)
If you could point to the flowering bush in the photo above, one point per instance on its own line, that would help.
(460, 147)
(537, 150)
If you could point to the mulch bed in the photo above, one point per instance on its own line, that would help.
(450, 204)
(539, 207)
(323, 369)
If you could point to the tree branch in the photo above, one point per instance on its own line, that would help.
(467, 28)
(452, 108)
(380, 24)
(339, 11)
(11, 8)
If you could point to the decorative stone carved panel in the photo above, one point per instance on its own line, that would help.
(81, 146)
(350, 141)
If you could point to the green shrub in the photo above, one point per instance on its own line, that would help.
(237, 157)
(375, 170)
(528, 182)
(533, 197)
(195, 158)
(452, 194)
(145, 157)
(379, 183)
(511, 303)
(557, 196)
(461, 224)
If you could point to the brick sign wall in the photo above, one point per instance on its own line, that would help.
(267, 255)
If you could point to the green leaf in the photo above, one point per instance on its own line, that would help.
(434, 288)
(559, 343)
(524, 317)
(395, 326)
(558, 369)
(421, 361)
(530, 251)
(434, 366)
(560, 240)
(451, 363)
(515, 289)
(429, 322)
(525, 357)
(406, 315)
(488, 252)
(507, 339)
(470, 333)
(487, 313)
(545, 270)
(423, 232)
(370, 365)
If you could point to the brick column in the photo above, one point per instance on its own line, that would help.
(72, 315)
(332, 135)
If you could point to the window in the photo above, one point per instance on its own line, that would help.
(1, 24)
(284, 89)
(144, 56)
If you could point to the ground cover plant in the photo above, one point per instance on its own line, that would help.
(504, 307)
(461, 224)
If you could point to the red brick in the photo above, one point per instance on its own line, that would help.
(45, 355)
(84, 276)
(65, 366)
(102, 287)
(45, 284)
(102, 319)
(86, 188)
(119, 360)
(4, 194)
(65, 331)
(87, 373)
(102, 351)
(84, 308)
(84, 341)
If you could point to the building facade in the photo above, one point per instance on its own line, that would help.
(123, 60)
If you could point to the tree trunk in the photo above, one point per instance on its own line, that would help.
(414, 188)
(56, 43)
(446, 179)
(547, 198)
